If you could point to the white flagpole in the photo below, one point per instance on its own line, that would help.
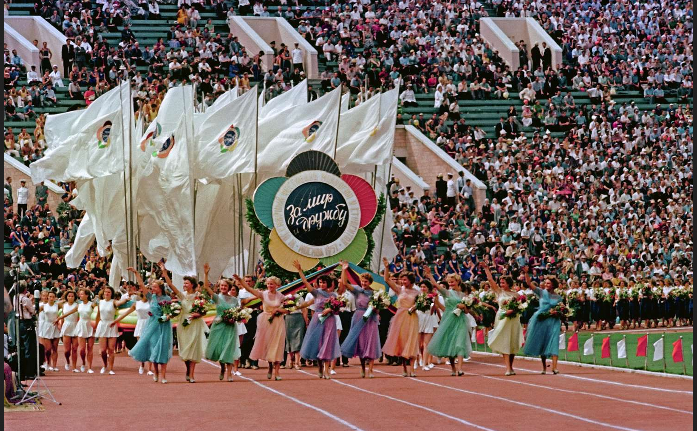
(125, 188)
(338, 121)
(132, 247)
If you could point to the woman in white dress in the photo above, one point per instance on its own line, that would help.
(49, 331)
(84, 333)
(106, 332)
(428, 322)
(43, 299)
(69, 329)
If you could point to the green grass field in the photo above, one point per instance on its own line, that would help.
(631, 342)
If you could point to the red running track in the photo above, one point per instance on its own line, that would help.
(483, 399)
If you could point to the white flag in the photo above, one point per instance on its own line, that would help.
(562, 341)
(588, 347)
(658, 350)
(82, 243)
(345, 102)
(226, 139)
(296, 96)
(621, 349)
(473, 334)
(224, 99)
(165, 192)
(92, 144)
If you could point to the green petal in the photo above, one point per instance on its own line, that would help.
(263, 199)
(354, 253)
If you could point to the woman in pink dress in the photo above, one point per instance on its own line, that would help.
(270, 338)
(403, 336)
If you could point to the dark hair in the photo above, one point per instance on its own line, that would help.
(191, 279)
(508, 280)
(329, 279)
(555, 282)
(101, 292)
(427, 283)
(409, 275)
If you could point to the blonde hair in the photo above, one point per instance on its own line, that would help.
(455, 277)
(366, 276)
(274, 279)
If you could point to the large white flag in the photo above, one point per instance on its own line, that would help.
(588, 347)
(621, 349)
(658, 350)
(313, 127)
(91, 144)
(296, 96)
(82, 243)
(223, 100)
(165, 191)
(226, 138)
(562, 341)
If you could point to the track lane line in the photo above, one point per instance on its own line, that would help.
(520, 403)
(295, 400)
(439, 413)
(552, 388)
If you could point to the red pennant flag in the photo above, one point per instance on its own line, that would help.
(641, 347)
(480, 336)
(572, 346)
(605, 349)
(677, 351)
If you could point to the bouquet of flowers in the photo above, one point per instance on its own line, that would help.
(599, 294)
(334, 304)
(290, 303)
(469, 301)
(170, 310)
(198, 309)
(573, 298)
(646, 291)
(237, 314)
(610, 296)
(516, 305)
(379, 301)
(489, 297)
(634, 294)
(423, 302)
(623, 294)
(559, 311)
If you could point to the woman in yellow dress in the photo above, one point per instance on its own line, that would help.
(507, 336)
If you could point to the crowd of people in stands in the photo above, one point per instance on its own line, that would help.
(609, 201)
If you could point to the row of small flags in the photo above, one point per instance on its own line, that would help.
(571, 345)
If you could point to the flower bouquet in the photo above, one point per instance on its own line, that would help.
(170, 310)
(379, 301)
(623, 294)
(198, 309)
(634, 294)
(469, 301)
(335, 305)
(234, 315)
(423, 302)
(517, 305)
(559, 311)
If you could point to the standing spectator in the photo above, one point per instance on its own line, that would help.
(8, 188)
(41, 194)
(297, 55)
(22, 198)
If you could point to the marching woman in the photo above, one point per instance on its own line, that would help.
(107, 331)
(452, 339)
(223, 341)
(296, 324)
(403, 336)
(428, 322)
(321, 341)
(363, 339)
(543, 333)
(234, 290)
(49, 330)
(85, 332)
(43, 299)
(507, 336)
(270, 335)
(191, 339)
(155, 343)
(142, 308)
(69, 329)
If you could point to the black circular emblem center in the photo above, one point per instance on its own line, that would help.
(316, 213)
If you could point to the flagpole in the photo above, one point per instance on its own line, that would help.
(646, 358)
(608, 342)
(580, 359)
(566, 347)
(338, 121)
(593, 345)
(133, 245)
(684, 367)
(252, 238)
(663, 337)
(626, 356)
(384, 218)
(125, 188)
(192, 181)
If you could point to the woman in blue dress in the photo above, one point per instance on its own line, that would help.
(543, 334)
(155, 344)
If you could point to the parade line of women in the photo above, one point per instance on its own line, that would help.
(440, 330)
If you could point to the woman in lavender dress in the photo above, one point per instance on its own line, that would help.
(321, 341)
(363, 340)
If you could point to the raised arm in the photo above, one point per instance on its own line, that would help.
(389, 282)
(249, 289)
(139, 279)
(131, 309)
(344, 280)
(310, 288)
(429, 276)
(167, 279)
(494, 286)
(206, 270)
(528, 281)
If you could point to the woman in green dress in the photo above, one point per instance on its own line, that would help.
(223, 342)
(452, 339)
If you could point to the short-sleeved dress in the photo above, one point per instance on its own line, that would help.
(49, 330)
(542, 338)
(403, 336)
(69, 328)
(453, 336)
(507, 336)
(84, 324)
(155, 344)
(191, 339)
(223, 341)
(363, 339)
(143, 314)
(270, 337)
(321, 339)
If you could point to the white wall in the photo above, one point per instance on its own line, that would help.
(501, 33)
(25, 49)
(36, 28)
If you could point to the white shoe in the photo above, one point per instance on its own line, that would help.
(140, 370)
(425, 369)
(103, 370)
(76, 370)
(44, 367)
(467, 359)
(430, 366)
(150, 373)
(90, 371)
(67, 367)
(55, 370)
(447, 362)
(415, 365)
(237, 373)
(421, 362)
(82, 368)
(332, 372)
(111, 373)
(164, 381)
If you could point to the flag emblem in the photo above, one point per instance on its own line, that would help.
(229, 140)
(310, 132)
(150, 136)
(165, 148)
(103, 135)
